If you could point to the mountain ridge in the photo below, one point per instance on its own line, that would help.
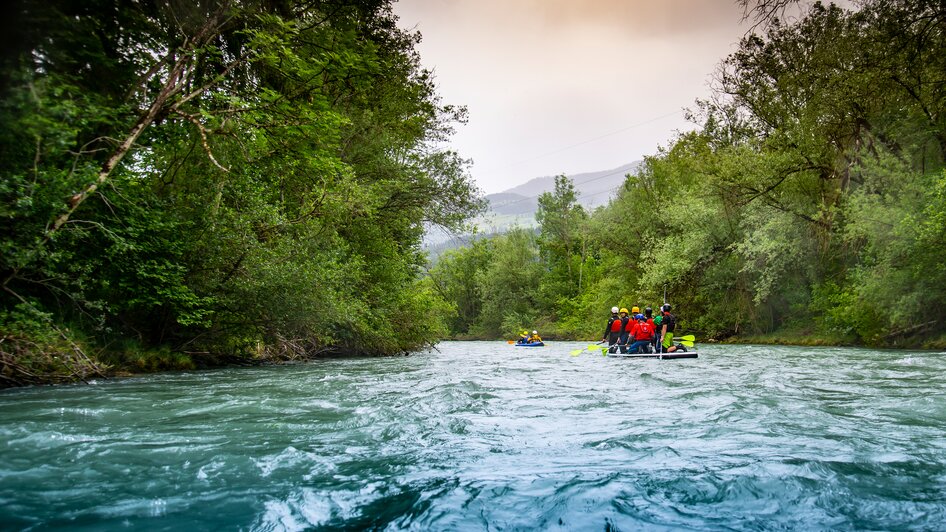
(582, 181)
(516, 206)
(593, 189)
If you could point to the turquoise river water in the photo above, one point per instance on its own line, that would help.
(487, 436)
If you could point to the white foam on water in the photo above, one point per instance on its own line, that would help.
(134, 507)
(159, 507)
(291, 457)
(315, 507)
(278, 516)
(206, 470)
(302, 510)
(270, 463)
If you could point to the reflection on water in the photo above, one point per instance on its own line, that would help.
(479, 435)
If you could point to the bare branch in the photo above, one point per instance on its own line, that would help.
(764, 12)
(203, 136)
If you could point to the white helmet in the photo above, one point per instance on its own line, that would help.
(614, 310)
(535, 332)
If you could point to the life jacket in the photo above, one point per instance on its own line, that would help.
(615, 324)
(644, 331)
(670, 321)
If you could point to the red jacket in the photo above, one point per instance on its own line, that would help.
(641, 330)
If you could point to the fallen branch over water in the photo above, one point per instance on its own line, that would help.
(25, 362)
(911, 330)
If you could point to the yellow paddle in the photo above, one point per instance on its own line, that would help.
(591, 347)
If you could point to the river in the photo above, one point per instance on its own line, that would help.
(487, 436)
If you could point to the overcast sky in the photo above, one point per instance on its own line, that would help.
(569, 86)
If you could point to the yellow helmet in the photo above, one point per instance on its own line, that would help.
(636, 310)
(624, 310)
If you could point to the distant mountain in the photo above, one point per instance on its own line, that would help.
(512, 203)
(592, 186)
(517, 206)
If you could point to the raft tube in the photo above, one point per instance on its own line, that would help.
(665, 356)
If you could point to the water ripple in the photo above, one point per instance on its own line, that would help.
(478, 435)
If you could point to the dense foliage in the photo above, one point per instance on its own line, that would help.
(810, 201)
(182, 181)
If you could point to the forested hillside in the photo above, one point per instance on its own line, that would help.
(810, 204)
(186, 183)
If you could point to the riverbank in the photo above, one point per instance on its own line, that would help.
(808, 337)
(60, 362)
(45, 360)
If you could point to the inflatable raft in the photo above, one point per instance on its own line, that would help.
(665, 356)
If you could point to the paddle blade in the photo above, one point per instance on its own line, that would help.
(510, 341)
(576, 352)
(685, 338)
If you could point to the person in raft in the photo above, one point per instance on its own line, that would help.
(623, 338)
(655, 323)
(628, 338)
(613, 330)
(668, 323)
(642, 333)
(523, 337)
(658, 326)
(535, 338)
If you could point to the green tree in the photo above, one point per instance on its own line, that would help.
(456, 276)
(510, 286)
(561, 241)
(225, 177)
